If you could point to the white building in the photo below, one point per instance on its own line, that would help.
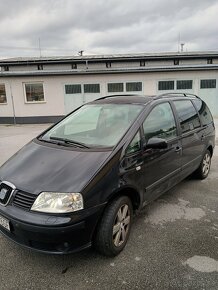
(36, 90)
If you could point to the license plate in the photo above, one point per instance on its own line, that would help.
(4, 223)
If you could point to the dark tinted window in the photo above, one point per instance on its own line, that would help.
(165, 85)
(134, 87)
(204, 112)
(188, 116)
(160, 123)
(208, 84)
(115, 87)
(73, 89)
(92, 88)
(184, 85)
(3, 98)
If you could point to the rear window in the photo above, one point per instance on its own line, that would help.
(188, 116)
(204, 112)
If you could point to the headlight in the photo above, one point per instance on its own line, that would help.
(57, 202)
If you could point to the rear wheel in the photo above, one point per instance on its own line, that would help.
(204, 168)
(114, 228)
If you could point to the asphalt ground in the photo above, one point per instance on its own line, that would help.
(173, 242)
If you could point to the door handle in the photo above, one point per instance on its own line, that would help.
(138, 166)
(202, 138)
(178, 149)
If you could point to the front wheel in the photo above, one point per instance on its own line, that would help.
(114, 228)
(204, 168)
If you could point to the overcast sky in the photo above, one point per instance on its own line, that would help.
(106, 26)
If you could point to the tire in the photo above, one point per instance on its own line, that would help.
(204, 168)
(114, 228)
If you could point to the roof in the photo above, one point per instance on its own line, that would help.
(87, 71)
(111, 57)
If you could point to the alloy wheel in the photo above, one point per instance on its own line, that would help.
(121, 225)
(206, 164)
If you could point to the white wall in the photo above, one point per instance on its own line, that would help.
(54, 89)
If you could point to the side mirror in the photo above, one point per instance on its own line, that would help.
(156, 143)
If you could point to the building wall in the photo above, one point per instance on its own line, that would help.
(55, 96)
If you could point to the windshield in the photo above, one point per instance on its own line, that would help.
(94, 125)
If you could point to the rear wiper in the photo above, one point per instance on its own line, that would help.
(71, 142)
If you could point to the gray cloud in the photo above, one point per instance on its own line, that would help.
(65, 26)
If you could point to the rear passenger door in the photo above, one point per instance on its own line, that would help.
(191, 135)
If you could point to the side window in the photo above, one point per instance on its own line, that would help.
(134, 146)
(188, 116)
(160, 123)
(204, 112)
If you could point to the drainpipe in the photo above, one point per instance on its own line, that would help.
(12, 100)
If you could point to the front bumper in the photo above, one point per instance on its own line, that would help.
(55, 234)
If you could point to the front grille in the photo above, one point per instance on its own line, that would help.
(23, 199)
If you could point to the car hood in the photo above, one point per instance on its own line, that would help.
(41, 167)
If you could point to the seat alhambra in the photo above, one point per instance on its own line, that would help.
(80, 182)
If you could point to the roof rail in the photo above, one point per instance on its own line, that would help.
(176, 94)
(116, 95)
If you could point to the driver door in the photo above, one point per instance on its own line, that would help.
(153, 171)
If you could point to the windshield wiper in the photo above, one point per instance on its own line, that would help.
(69, 141)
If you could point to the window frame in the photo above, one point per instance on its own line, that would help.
(25, 93)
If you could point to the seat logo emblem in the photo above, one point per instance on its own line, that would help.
(3, 193)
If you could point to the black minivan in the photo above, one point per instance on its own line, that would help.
(80, 182)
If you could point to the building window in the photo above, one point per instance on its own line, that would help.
(176, 61)
(40, 67)
(165, 85)
(74, 65)
(73, 89)
(208, 84)
(34, 92)
(184, 85)
(115, 87)
(142, 62)
(209, 61)
(3, 99)
(6, 68)
(134, 87)
(108, 64)
(91, 88)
